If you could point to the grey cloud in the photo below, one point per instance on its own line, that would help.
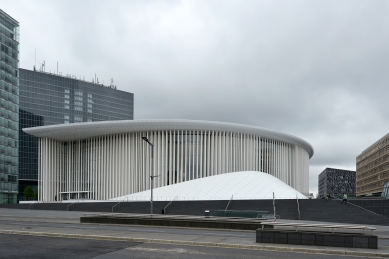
(317, 70)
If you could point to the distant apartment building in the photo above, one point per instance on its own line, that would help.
(373, 168)
(48, 99)
(336, 182)
(9, 107)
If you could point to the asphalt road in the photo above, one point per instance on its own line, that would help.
(18, 246)
(158, 231)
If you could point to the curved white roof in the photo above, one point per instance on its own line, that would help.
(76, 131)
(242, 185)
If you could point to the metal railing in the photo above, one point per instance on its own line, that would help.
(232, 196)
(274, 207)
(118, 204)
(67, 207)
(298, 206)
(366, 209)
(166, 207)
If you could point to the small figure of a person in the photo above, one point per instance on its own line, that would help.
(55, 198)
(344, 198)
(328, 196)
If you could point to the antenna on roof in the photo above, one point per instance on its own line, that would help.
(35, 61)
(57, 67)
(112, 85)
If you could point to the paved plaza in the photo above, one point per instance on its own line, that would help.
(32, 228)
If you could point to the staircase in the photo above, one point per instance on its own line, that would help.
(334, 211)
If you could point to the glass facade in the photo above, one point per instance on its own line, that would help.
(48, 99)
(9, 107)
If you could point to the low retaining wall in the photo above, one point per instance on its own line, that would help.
(276, 236)
(205, 223)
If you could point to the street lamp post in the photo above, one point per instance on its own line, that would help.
(152, 176)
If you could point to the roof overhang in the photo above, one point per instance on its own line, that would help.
(85, 130)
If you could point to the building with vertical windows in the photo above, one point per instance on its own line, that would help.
(49, 99)
(336, 182)
(373, 168)
(109, 159)
(9, 107)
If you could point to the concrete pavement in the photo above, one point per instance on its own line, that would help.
(66, 225)
(17, 246)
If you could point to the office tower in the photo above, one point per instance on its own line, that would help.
(336, 182)
(48, 99)
(9, 107)
(373, 168)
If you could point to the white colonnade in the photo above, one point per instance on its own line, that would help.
(110, 166)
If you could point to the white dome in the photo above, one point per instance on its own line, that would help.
(241, 185)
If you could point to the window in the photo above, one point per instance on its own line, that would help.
(78, 108)
(66, 106)
(66, 121)
(67, 96)
(66, 116)
(89, 110)
(89, 95)
(67, 91)
(67, 101)
(90, 101)
(89, 105)
(78, 103)
(89, 119)
(79, 93)
(77, 118)
(78, 98)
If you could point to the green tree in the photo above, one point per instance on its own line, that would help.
(36, 194)
(28, 192)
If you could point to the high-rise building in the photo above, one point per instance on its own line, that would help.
(9, 107)
(48, 99)
(336, 182)
(373, 168)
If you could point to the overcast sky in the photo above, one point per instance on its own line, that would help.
(314, 69)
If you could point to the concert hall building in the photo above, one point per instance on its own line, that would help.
(109, 159)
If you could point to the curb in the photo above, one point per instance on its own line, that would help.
(195, 243)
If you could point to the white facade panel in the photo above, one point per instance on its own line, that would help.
(113, 165)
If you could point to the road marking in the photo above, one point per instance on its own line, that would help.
(24, 224)
(166, 250)
(77, 227)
